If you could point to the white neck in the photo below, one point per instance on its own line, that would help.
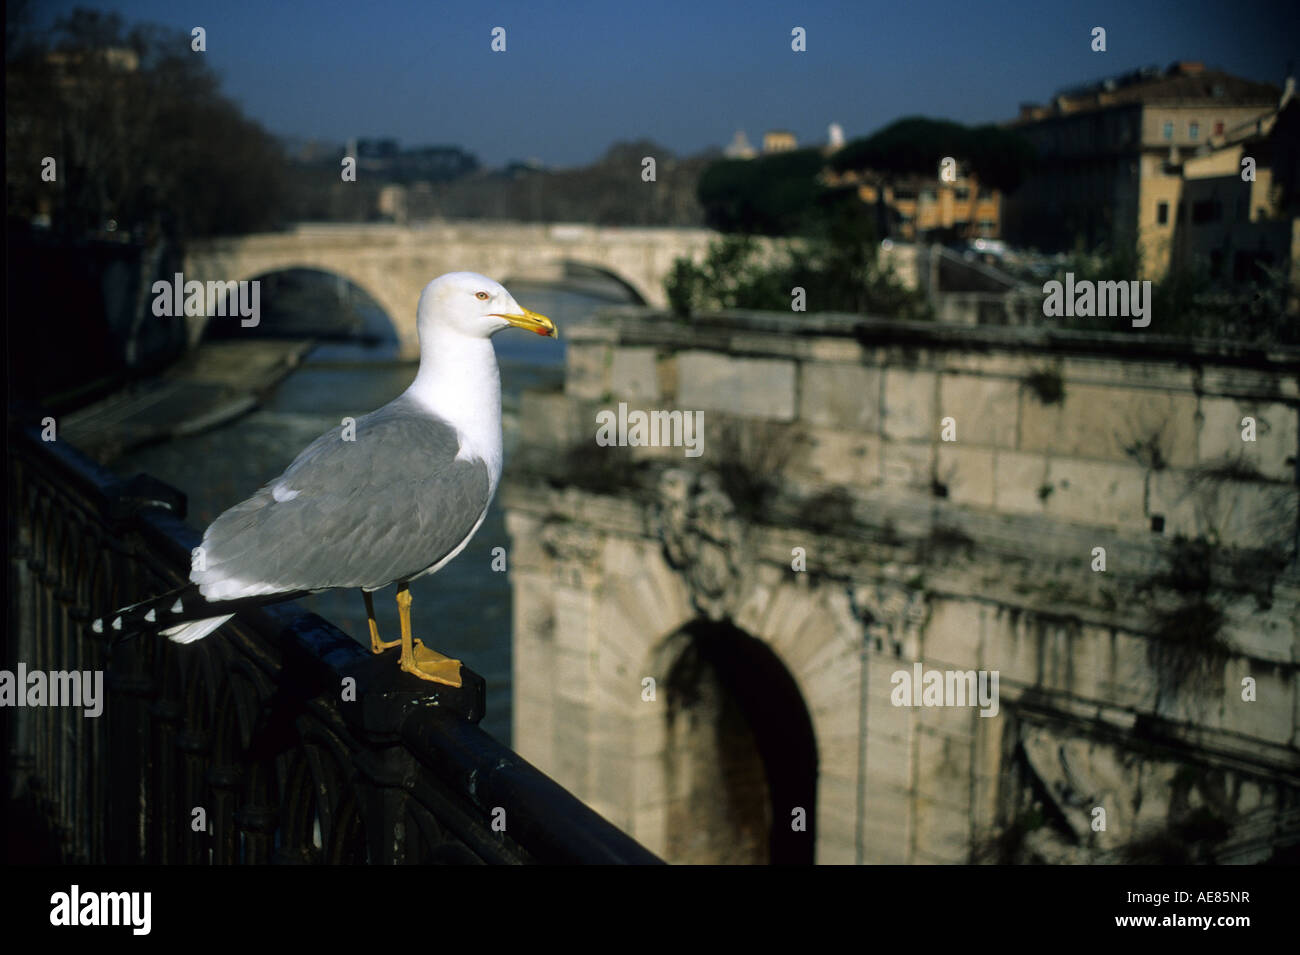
(459, 381)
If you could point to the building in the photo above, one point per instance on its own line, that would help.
(931, 208)
(392, 203)
(113, 59)
(1229, 225)
(923, 208)
(1113, 155)
(779, 141)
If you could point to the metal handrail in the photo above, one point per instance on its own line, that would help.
(249, 731)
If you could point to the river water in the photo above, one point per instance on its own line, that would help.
(464, 610)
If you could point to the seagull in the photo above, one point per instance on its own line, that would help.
(391, 497)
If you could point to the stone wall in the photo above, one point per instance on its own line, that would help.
(949, 489)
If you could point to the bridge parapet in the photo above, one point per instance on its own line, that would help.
(277, 739)
(394, 263)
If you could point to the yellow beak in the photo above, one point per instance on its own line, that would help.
(532, 322)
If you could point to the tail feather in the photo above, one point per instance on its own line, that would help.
(182, 614)
(146, 615)
(189, 632)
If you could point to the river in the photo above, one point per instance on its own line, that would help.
(465, 609)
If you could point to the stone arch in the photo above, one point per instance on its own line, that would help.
(575, 268)
(568, 273)
(600, 623)
(392, 326)
(394, 299)
(817, 629)
(393, 264)
(745, 689)
(643, 611)
(740, 760)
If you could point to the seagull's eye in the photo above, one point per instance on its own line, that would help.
(482, 296)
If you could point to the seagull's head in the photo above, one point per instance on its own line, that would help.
(476, 307)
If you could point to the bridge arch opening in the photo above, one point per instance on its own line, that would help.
(303, 302)
(740, 755)
(583, 278)
(583, 274)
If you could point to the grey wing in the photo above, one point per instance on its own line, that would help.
(350, 513)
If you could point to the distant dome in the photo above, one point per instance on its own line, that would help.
(739, 147)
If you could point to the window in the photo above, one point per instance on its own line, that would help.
(904, 193)
(1218, 128)
(1169, 130)
(985, 193)
(962, 193)
(1162, 213)
(929, 195)
(1194, 130)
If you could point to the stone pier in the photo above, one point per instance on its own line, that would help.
(707, 648)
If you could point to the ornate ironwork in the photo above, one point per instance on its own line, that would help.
(243, 747)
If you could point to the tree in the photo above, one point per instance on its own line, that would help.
(772, 195)
(999, 158)
(142, 137)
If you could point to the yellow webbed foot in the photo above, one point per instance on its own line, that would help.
(431, 665)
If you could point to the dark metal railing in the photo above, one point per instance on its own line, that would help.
(245, 747)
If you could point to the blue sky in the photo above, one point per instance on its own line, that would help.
(577, 76)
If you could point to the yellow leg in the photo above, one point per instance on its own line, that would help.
(376, 645)
(417, 659)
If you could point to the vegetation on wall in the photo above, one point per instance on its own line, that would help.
(1185, 648)
(837, 273)
(1189, 303)
(1046, 385)
(750, 459)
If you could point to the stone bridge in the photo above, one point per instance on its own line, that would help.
(392, 264)
(708, 649)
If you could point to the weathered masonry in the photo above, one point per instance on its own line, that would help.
(704, 646)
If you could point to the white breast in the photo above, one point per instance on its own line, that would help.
(459, 381)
